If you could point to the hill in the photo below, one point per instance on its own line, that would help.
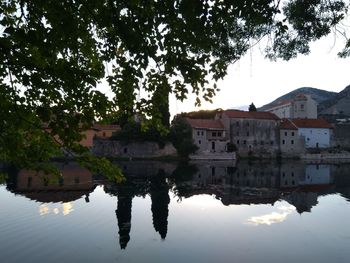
(338, 105)
(317, 94)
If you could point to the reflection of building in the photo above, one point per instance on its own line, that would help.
(73, 183)
(302, 183)
(303, 201)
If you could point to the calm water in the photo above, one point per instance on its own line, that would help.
(203, 212)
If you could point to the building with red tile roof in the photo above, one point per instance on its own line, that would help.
(208, 124)
(209, 135)
(261, 115)
(296, 135)
(312, 123)
(301, 106)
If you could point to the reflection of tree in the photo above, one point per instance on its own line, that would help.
(123, 213)
(184, 172)
(160, 200)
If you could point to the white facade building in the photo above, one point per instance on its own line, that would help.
(316, 132)
(302, 106)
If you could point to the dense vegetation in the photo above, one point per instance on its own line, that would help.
(54, 53)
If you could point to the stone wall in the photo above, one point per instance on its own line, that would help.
(341, 135)
(113, 148)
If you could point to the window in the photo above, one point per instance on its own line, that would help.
(285, 133)
(292, 142)
(202, 133)
(61, 181)
(247, 133)
(219, 134)
(199, 142)
(237, 124)
(244, 142)
(29, 182)
(271, 142)
(125, 150)
(214, 134)
(237, 141)
(198, 133)
(104, 134)
(302, 106)
(76, 180)
(292, 133)
(247, 124)
(283, 142)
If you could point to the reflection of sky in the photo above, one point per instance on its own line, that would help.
(64, 208)
(272, 218)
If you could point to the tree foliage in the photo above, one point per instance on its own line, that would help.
(181, 137)
(53, 54)
(252, 107)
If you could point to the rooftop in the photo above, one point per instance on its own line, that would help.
(312, 123)
(206, 124)
(288, 125)
(251, 114)
(106, 127)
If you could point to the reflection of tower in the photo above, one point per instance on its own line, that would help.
(123, 213)
(160, 201)
(303, 201)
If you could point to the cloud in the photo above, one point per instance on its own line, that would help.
(272, 218)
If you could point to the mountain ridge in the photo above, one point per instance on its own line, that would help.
(318, 95)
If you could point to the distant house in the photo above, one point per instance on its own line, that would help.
(209, 135)
(301, 106)
(98, 130)
(316, 132)
(252, 132)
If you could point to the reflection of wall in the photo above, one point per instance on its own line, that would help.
(73, 177)
(317, 174)
(298, 174)
(291, 174)
(146, 168)
(114, 148)
(257, 176)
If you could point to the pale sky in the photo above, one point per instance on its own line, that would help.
(259, 80)
(256, 79)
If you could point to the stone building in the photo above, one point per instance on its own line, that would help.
(209, 135)
(301, 106)
(98, 130)
(253, 133)
(291, 144)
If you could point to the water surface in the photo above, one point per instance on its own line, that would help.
(167, 212)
